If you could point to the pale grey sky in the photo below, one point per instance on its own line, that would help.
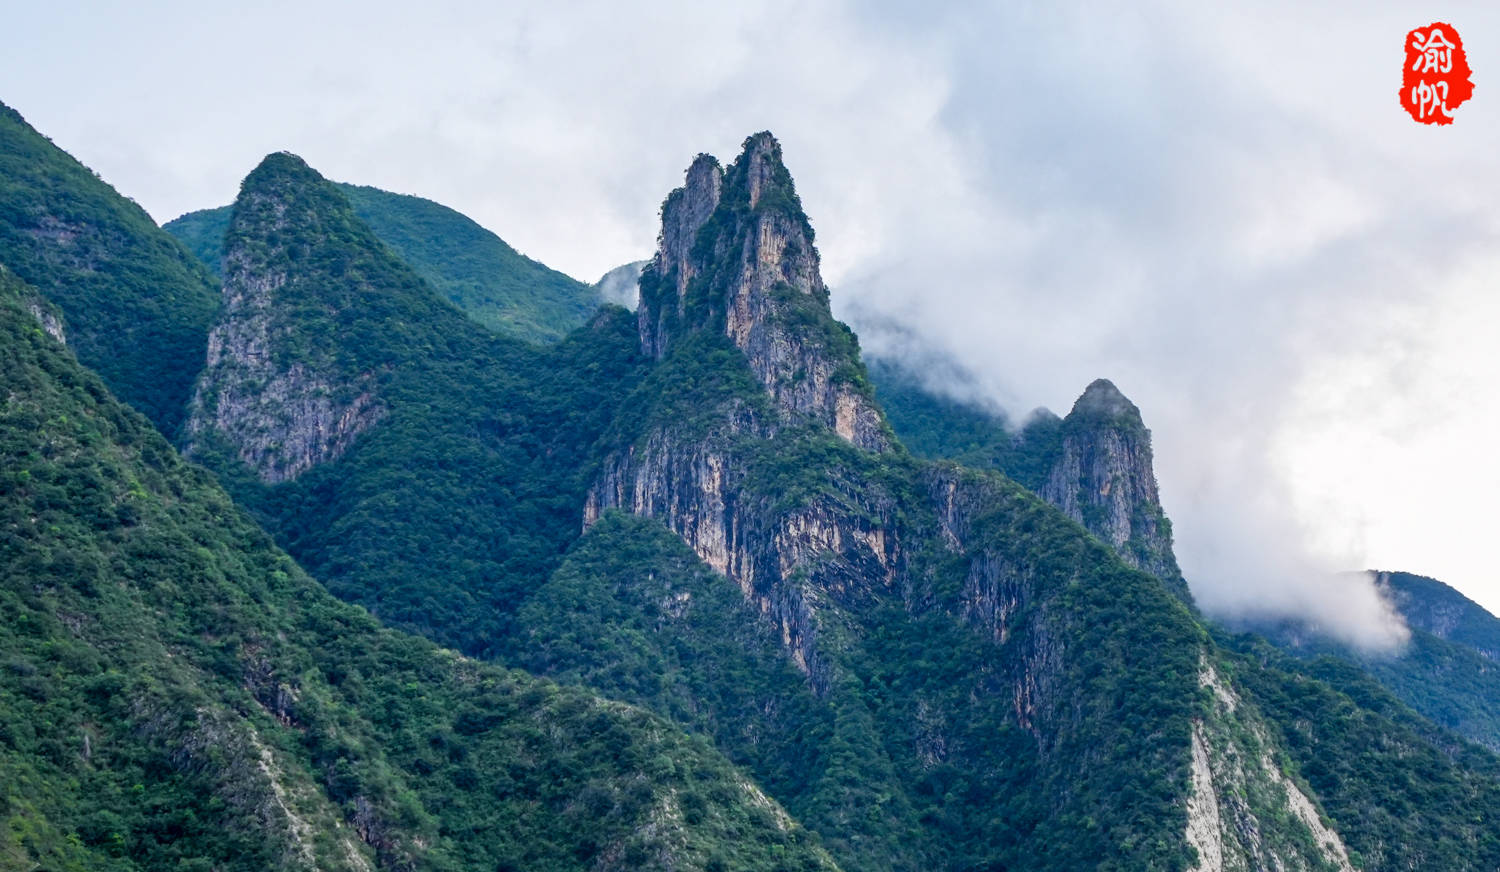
(1224, 210)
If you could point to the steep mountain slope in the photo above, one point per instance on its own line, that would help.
(1404, 793)
(1446, 671)
(177, 694)
(135, 304)
(1095, 464)
(468, 265)
(413, 461)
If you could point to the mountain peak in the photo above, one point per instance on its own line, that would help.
(314, 308)
(278, 172)
(764, 172)
(282, 161)
(1104, 478)
(1102, 400)
(735, 256)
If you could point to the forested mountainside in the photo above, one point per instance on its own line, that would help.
(469, 266)
(1447, 670)
(917, 660)
(135, 305)
(411, 460)
(177, 694)
(698, 510)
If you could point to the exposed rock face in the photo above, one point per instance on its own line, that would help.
(1244, 812)
(836, 547)
(736, 256)
(1103, 478)
(788, 564)
(48, 318)
(283, 404)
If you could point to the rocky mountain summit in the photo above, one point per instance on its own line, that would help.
(736, 256)
(275, 386)
(842, 546)
(1095, 465)
(1104, 479)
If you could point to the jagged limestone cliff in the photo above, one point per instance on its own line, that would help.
(1103, 478)
(841, 551)
(1095, 465)
(273, 388)
(736, 256)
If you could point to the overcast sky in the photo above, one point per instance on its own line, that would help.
(1226, 212)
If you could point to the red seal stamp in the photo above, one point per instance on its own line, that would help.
(1435, 80)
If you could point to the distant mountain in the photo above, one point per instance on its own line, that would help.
(177, 694)
(135, 305)
(468, 265)
(1429, 605)
(1447, 671)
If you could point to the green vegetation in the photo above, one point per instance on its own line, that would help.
(902, 746)
(137, 305)
(1403, 792)
(467, 265)
(937, 427)
(458, 517)
(1430, 605)
(469, 490)
(175, 693)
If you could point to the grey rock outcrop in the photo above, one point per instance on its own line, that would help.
(1104, 479)
(789, 564)
(736, 256)
(279, 402)
(49, 318)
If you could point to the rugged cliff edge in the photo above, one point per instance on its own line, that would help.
(1095, 465)
(319, 319)
(1103, 478)
(280, 394)
(736, 256)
